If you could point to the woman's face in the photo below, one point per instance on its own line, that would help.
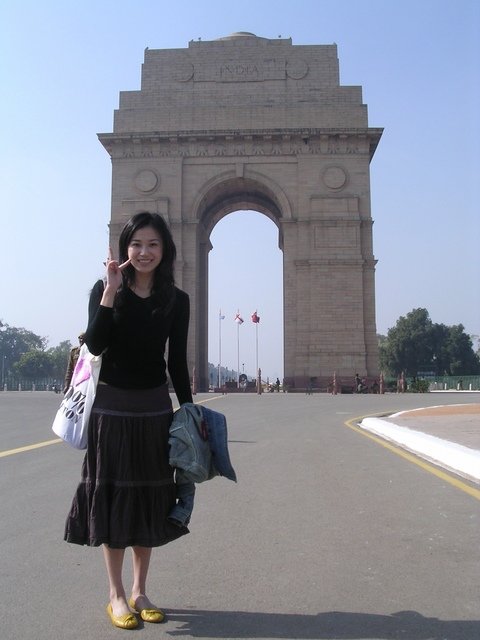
(145, 250)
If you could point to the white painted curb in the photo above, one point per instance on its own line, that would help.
(450, 455)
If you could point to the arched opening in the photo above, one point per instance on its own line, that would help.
(245, 276)
(224, 195)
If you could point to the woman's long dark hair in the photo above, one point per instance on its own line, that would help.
(163, 288)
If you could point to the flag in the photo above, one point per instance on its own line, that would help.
(255, 317)
(238, 318)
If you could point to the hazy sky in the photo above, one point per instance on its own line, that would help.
(62, 66)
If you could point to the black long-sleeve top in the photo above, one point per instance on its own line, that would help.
(133, 342)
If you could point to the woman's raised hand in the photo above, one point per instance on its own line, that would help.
(114, 271)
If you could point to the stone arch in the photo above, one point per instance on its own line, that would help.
(244, 122)
(228, 192)
(220, 196)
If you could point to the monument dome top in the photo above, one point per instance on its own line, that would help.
(239, 34)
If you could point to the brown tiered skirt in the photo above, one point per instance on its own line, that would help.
(127, 488)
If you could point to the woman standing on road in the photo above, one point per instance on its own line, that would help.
(127, 487)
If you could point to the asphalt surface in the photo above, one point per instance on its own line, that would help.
(329, 532)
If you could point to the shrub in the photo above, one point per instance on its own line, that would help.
(419, 386)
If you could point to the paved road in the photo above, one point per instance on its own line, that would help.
(326, 535)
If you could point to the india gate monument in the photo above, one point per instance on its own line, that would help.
(251, 123)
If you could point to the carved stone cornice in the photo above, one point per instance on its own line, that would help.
(251, 143)
(328, 262)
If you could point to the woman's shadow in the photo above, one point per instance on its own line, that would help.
(338, 625)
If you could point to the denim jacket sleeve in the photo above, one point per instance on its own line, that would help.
(190, 455)
(198, 451)
(181, 513)
(188, 442)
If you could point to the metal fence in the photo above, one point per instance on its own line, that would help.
(438, 383)
(458, 383)
(12, 383)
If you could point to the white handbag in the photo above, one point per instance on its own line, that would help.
(71, 420)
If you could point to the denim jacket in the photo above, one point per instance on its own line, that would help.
(198, 451)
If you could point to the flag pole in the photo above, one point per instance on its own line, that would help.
(238, 353)
(219, 348)
(256, 320)
(256, 346)
(238, 320)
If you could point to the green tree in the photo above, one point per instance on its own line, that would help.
(417, 344)
(34, 365)
(60, 355)
(409, 345)
(381, 339)
(14, 342)
(456, 351)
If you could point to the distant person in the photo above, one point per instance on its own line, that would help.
(72, 361)
(277, 385)
(358, 384)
